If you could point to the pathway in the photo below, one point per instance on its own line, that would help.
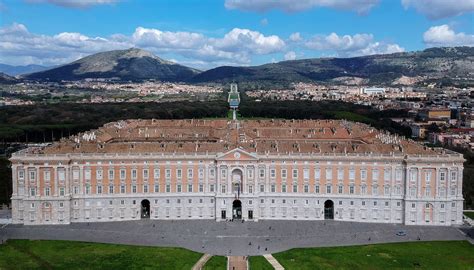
(202, 261)
(237, 263)
(273, 262)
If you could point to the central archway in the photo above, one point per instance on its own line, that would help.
(237, 209)
(328, 209)
(145, 211)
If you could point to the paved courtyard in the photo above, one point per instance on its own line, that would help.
(233, 238)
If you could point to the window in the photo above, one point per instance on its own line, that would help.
(375, 175)
(190, 188)
(340, 189)
(261, 173)
(387, 174)
(190, 173)
(211, 188)
(76, 190)
(317, 173)
(273, 188)
(262, 188)
(250, 189)
(328, 173)
(99, 174)
(134, 189)
(178, 188)
(145, 188)
(351, 189)
(201, 172)
(427, 177)
(306, 188)
(87, 174)
(442, 176)
(201, 188)
(316, 189)
(21, 174)
(272, 173)
(168, 188)
(454, 175)
(295, 188)
(61, 191)
(47, 191)
(363, 189)
(47, 175)
(375, 190)
(428, 191)
(99, 189)
(283, 188)
(168, 173)
(305, 174)
(212, 172)
(363, 174)
(122, 174)
(224, 173)
(250, 173)
(134, 173)
(145, 173)
(340, 174)
(398, 174)
(283, 173)
(387, 190)
(111, 189)
(413, 175)
(157, 188)
(352, 174)
(156, 173)
(328, 189)
(122, 189)
(111, 174)
(88, 189)
(295, 173)
(223, 189)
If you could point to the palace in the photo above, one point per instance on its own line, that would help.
(222, 169)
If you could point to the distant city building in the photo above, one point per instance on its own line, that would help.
(435, 113)
(252, 170)
(373, 91)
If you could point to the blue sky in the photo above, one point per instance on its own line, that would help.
(208, 33)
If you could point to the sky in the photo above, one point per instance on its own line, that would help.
(209, 33)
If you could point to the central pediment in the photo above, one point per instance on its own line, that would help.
(237, 154)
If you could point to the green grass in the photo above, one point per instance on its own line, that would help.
(260, 263)
(421, 255)
(216, 263)
(469, 214)
(26, 254)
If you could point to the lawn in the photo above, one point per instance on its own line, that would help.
(421, 255)
(26, 254)
(469, 214)
(216, 263)
(260, 263)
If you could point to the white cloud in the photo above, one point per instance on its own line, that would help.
(75, 3)
(295, 37)
(291, 55)
(238, 46)
(443, 35)
(359, 6)
(437, 9)
(347, 45)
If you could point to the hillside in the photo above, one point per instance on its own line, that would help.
(19, 70)
(397, 68)
(132, 64)
(6, 79)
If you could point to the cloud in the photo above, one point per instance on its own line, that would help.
(238, 46)
(291, 55)
(347, 45)
(438, 9)
(443, 35)
(74, 3)
(295, 37)
(359, 6)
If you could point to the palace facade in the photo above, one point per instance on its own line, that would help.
(252, 170)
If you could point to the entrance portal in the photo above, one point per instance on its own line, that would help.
(237, 209)
(145, 213)
(328, 209)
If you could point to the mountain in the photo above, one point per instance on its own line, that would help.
(7, 79)
(19, 70)
(433, 63)
(132, 64)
